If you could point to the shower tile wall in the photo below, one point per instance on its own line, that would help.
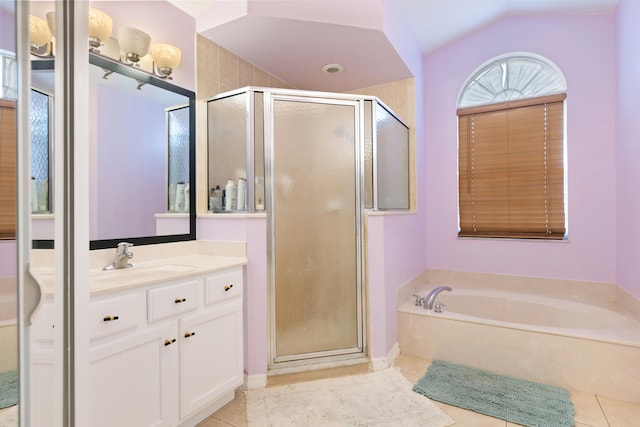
(217, 71)
(400, 97)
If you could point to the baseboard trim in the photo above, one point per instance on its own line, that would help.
(378, 364)
(629, 302)
(255, 381)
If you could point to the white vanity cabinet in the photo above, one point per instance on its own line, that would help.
(206, 372)
(134, 379)
(167, 354)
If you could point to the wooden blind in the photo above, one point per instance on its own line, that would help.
(7, 169)
(511, 169)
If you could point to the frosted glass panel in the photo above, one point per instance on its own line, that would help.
(314, 237)
(368, 154)
(392, 161)
(40, 143)
(178, 145)
(258, 150)
(228, 135)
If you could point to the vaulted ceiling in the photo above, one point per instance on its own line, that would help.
(293, 39)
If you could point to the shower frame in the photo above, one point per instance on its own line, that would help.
(367, 189)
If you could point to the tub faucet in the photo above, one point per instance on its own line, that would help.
(431, 296)
(122, 257)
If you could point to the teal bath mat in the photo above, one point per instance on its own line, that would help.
(518, 401)
(8, 389)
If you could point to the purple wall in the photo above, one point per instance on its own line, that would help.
(8, 258)
(256, 301)
(583, 47)
(7, 29)
(628, 147)
(131, 176)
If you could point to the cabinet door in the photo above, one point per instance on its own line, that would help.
(134, 380)
(211, 362)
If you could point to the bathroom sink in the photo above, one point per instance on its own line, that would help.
(136, 273)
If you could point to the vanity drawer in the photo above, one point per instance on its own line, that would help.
(170, 300)
(223, 285)
(112, 315)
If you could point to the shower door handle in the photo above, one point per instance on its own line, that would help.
(32, 298)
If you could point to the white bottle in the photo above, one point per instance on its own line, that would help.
(180, 197)
(34, 195)
(187, 197)
(231, 196)
(43, 196)
(172, 197)
(242, 194)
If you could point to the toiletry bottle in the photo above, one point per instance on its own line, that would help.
(217, 198)
(232, 194)
(242, 194)
(172, 197)
(187, 197)
(180, 197)
(43, 196)
(34, 195)
(212, 203)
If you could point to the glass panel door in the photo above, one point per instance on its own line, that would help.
(315, 194)
(9, 339)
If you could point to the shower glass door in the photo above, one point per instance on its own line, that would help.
(314, 230)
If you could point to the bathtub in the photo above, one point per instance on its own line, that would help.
(584, 346)
(8, 304)
(8, 330)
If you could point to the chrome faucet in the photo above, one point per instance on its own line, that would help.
(123, 255)
(431, 296)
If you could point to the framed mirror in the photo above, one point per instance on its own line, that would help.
(142, 145)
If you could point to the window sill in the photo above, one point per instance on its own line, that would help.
(506, 239)
(390, 212)
(232, 215)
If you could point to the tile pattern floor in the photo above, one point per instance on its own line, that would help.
(591, 410)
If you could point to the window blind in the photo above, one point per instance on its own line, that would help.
(511, 169)
(7, 169)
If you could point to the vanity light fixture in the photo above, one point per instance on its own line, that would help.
(51, 22)
(166, 58)
(100, 26)
(39, 36)
(134, 44)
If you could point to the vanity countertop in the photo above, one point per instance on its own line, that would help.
(145, 273)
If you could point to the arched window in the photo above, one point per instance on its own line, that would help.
(511, 150)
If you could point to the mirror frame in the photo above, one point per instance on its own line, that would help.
(147, 78)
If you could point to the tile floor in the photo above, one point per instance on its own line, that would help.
(591, 410)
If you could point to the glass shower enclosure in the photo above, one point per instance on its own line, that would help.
(313, 162)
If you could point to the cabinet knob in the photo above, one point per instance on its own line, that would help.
(189, 334)
(227, 287)
(169, 342)
(180, 300)
(110, 318)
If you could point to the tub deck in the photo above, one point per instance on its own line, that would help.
(585, 347)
